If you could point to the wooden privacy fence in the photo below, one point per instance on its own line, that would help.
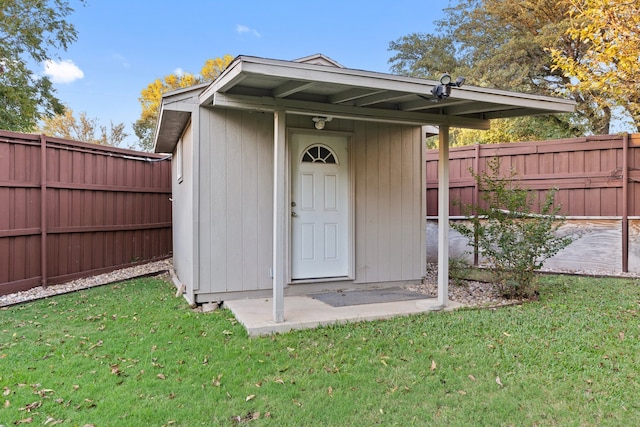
(70, 209)
(598, 182)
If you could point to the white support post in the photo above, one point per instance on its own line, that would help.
(279, 214)
(443, 217)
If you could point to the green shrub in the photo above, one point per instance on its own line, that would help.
(514, 241)
(458, 271)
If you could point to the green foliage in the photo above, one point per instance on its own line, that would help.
(531, 128)
(515, 241)
(131, 354)
(505, 45)
(458, 271)
(30, 31)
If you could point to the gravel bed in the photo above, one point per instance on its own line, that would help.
(482, 294)
(38, 292)
(471, 294)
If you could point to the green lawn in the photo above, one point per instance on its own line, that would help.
(132, 354)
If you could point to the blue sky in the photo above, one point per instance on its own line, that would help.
(124, 45)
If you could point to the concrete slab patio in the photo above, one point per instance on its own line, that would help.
(304, 312)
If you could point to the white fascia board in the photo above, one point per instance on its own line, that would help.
(231, 76)
(514, 99)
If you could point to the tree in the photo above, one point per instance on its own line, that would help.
(83, 128)
(504, 44)
(151, 96)
(30, 31)
(608, 32)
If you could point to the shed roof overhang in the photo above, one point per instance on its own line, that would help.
(308, 88)
(176, 109)
(311, 89)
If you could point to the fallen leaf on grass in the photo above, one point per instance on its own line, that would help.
(462, 392)
(31, 406)
(621, 335)
(6, 392)
(472, 378)
(433, 365)
(7, 403)
(115, 370)
(330, 391)
(499, 382)
(52, 421)
(238, 419)
(24, 421)
(216, 380)
(161, 376)
(506, 334)
(250, 397)
(98, 344)
(43, 392)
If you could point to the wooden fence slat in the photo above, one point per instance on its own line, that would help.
(590, 170)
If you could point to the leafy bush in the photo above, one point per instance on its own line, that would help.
(514, 241)
(458, 271)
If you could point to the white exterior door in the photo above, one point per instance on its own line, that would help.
(319, 206)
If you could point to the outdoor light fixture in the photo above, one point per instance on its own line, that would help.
(320, 122)
(443, 90)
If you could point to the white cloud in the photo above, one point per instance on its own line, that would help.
(62, 71)
(242, 29)
(178, 72)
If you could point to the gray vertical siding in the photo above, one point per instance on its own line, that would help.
(183, 213)
(236, 212)
(236, 170)
(388, 202)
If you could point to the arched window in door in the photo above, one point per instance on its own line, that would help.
(319, 154)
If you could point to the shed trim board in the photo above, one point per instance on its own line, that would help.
(317, 86)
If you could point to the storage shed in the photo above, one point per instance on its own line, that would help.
(298, 176)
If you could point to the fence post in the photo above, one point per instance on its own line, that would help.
(476, 201)
(625, 203)
(43, 208)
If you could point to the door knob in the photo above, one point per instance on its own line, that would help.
(294, 214)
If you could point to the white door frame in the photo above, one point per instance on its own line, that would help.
(350, 201)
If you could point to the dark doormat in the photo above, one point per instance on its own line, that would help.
(373, 296)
